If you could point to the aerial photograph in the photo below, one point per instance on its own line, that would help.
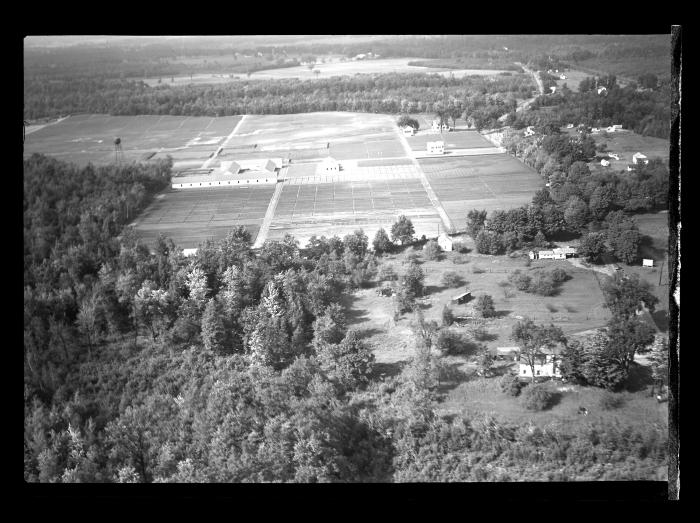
(348, 258)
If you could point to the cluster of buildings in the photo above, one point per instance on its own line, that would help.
(438, 128)
(242, 172)
(436, 147)
(558, 253)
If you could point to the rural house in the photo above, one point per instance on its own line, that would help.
(445, 242)
(602, 90)
(605, 163)
(562, 77)
(559, 253)
(570, 126)
(437, 147)
(546, 364)
(189, 252)
(462, 298)
(647, 262)
(529, 131)
(636, 157)
(408, 130)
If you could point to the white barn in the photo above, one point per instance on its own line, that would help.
(646, 262)
(249, 172)
(559, 253)
(437, 147)
(189, 252)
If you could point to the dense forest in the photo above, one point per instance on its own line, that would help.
(386, 93)
(143, 365)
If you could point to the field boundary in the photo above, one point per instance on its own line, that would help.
(227, 140)
(426, 184)
(269, 215)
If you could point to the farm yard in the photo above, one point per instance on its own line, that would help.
(195, 215)
(573, 78)
(90, 138)
(453, 140)
(489, 182)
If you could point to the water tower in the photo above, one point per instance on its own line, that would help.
(118, 152)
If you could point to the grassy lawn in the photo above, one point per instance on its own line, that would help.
(477, 396)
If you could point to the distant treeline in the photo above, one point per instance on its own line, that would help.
(386, 93)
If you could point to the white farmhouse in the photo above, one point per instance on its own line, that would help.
(602, 90)
(546, 364)
(529, 131)
(562, 77)
(605, 163)
(570, 126)
(559, 253)
(189, 252)
(647, 262)
(437, 147)
(408, 130)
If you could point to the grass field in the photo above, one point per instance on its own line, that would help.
(339, 207)
(316, 135)
(191, 216)
(90, 138)
(489, 182)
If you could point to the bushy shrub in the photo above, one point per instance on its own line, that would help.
(480, 333)
(538, 397)
(610, 400)
(520, 280)
(447, 317)
(484, 304)
(511, 385)
(543, 285)
(460, 260)
(559, 275)
(477, 270)
(449, 342)
(432, 250)
(451, 279)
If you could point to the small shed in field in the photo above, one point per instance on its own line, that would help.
(462, 298)
(189, 252)
(445, 242)
(506, 353)
(647, 262)
(437, 147)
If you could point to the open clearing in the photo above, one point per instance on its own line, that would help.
(380, 66)
(573, 78)
(90, 138)
(488, 182)
(191, 216)
(577, 307)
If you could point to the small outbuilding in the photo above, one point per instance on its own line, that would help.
(647, 262)
(462, 298)
(506, 353)
(639, 157)
(445, 242)
(408, 130)
(546, 364)
(189, 252)
(605, 163)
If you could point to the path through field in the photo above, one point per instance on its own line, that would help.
(270, 213)
(426, 185)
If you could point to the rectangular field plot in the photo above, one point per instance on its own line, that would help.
(453, 140)
(90, 138)
(487, 182)
(191, 216)
(342, 207)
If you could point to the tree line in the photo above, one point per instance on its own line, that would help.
(384, 93)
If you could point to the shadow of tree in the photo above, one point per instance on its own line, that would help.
(501, 314)
(660, 317)
(387, 370)
(368, 332)
(639, 378)
(353, 315)
(430, 289)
